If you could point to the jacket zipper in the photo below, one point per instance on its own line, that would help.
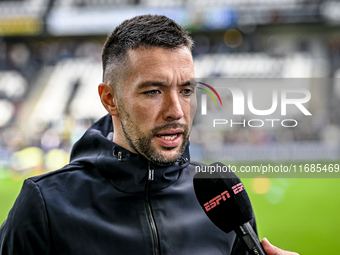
(148, 209)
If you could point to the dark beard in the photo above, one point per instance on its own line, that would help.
(142, 143)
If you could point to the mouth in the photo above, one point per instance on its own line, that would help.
(170, 138)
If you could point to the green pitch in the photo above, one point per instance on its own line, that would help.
(295, 214)
(9, 190)
(304, 216)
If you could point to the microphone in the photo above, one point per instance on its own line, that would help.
(223, 198)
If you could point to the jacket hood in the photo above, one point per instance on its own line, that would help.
(127, 171)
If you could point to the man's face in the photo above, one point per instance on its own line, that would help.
(156, 103)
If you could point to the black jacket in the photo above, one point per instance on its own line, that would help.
(105, 202)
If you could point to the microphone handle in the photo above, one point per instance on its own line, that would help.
(248, 236)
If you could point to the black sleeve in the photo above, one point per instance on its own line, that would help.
(26, 231)
(238, 247)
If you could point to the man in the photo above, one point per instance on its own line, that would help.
(127, 189)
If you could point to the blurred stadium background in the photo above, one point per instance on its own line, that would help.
(50, 66)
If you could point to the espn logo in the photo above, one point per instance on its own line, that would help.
(224, 196)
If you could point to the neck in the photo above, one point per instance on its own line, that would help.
(119, 136)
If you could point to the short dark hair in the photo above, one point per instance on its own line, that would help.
(141, 31)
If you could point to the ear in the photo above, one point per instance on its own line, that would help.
(108, 97)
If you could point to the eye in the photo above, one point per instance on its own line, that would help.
(187, 92)
(152, 93)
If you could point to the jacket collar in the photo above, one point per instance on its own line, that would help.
(127, 171)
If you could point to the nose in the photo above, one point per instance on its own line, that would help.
(172, 107)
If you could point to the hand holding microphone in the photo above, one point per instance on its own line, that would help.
(272, 250)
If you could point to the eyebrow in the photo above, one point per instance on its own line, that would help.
(148, 84)
(186, 83)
